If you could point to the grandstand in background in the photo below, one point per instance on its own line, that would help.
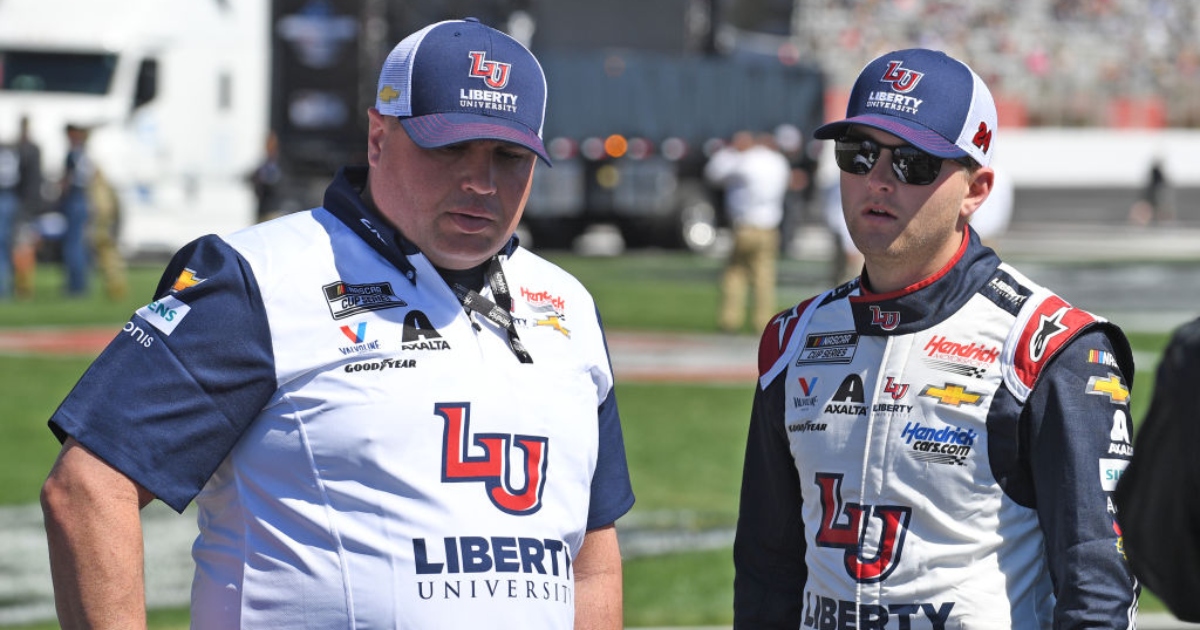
(1123, 64)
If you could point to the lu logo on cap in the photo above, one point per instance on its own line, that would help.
(494, 73)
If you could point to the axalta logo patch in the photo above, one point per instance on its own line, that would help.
(346, 300)
(419, 333)
(164, 314)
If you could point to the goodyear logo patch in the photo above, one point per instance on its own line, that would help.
(346, 300)
(164, 314)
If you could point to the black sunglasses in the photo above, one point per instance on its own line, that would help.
(911, 165)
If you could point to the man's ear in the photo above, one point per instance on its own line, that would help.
(979, 186)
(376, 132)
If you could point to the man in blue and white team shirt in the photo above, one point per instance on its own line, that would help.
(387, 413)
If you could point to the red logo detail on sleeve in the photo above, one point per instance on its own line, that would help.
(1050, 327)
(776, 336)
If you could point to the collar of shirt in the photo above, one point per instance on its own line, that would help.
(343, 199)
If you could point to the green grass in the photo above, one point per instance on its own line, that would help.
(685, 445)
(673, 290)
(684, 441)
(161, 619)
(31, 388)
(685, 589)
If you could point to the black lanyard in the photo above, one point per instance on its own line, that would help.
(498, 312)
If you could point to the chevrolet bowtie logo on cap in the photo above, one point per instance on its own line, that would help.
(387, 94)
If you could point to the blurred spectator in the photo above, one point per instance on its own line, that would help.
(755, 176)
(266, 180)
(29, 194)
(1055, 58)
(846, 261)
(105, 217)
(10, 178)
(73, 203)
(1156, 496)
(790, 141)
(1154, 205)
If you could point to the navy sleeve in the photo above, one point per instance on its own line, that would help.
(1156, 496)
(1080, 424)
(611, 491)
(768, 548)
(167, 399)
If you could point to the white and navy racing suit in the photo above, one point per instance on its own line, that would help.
(362, 451)
(942, 456)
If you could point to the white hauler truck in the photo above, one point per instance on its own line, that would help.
(176, 95)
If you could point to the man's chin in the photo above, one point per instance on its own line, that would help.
(465, 251)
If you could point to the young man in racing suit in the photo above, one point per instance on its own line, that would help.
(933, 444)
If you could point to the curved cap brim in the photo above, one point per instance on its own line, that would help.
(922, 138)
(438, 130)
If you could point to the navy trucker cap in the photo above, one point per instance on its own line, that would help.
(460, 80)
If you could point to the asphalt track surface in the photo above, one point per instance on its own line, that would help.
(1143, 279)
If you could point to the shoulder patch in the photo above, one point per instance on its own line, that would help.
(777, 334)
(782, 335)
(1051, 325)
